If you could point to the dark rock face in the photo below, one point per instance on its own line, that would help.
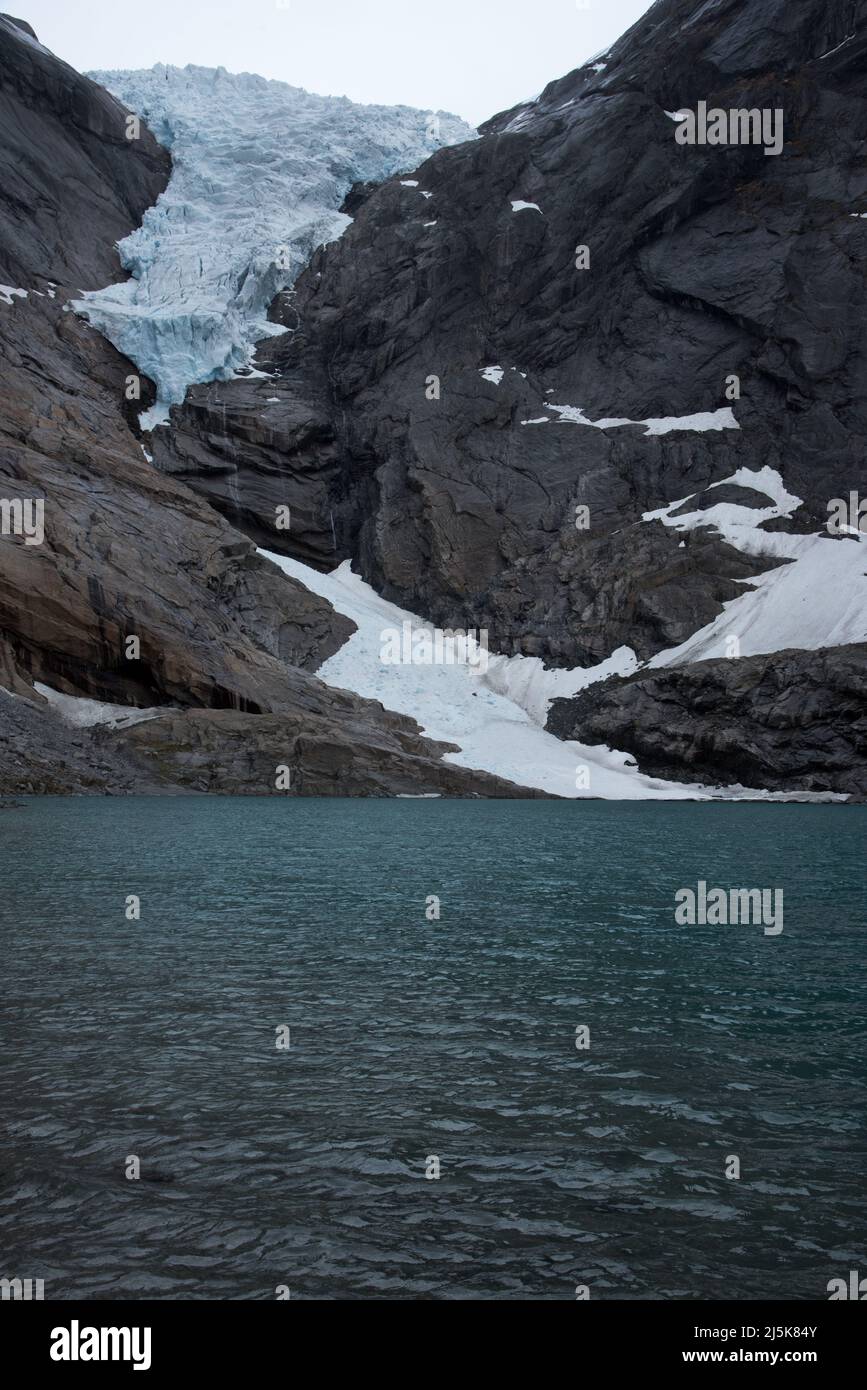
(126, 551)
(268, 456)
(332, 744)
(705, 263)
(41, 755)
(341, 751)
(65, 150)
(794, 719)
(21, 24)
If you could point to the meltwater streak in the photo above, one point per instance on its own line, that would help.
(411, 1039)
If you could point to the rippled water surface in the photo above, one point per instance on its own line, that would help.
(413, 1038)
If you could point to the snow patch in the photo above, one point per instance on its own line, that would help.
(705, 420)
(723, 419)
(87, 714)
(728, 517)
(520, 206)
(529, 683)
(9, 292)
(493, 374)
(818, 599)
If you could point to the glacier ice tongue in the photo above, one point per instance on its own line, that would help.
(260, 172)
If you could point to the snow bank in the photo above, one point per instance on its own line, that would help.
(819, 599)
(529, 683)
(487, 717)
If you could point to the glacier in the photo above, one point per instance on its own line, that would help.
(260, 170)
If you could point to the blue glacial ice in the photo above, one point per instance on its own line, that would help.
(260, 171)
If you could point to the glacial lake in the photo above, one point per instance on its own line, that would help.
(412, 1045)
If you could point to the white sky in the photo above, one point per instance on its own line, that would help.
(473, 57)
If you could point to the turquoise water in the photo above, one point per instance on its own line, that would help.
(414, 1039)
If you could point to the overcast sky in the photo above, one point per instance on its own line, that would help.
(473, 57)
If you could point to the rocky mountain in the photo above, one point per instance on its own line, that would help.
(581, 383)
(226, 643)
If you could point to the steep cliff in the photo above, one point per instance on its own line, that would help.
(589, 382)
(496, 389)
(125, 552)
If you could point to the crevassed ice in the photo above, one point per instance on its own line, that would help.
(260, 171)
